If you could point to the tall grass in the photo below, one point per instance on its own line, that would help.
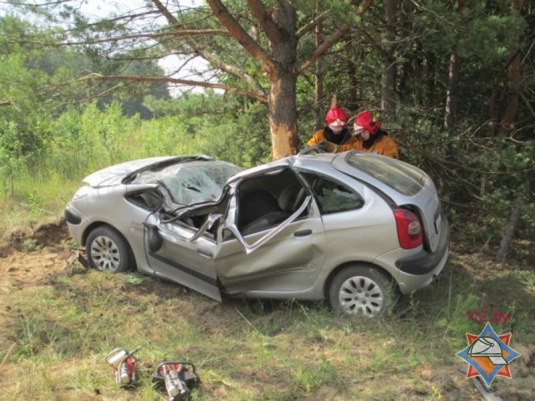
(36, 186)
(63, 328)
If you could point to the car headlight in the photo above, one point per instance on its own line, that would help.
(82, 191)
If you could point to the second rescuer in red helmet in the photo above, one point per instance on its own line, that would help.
(371, 138)
(335, 136)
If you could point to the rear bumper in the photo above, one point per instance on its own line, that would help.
(420, 270)
(424, 262)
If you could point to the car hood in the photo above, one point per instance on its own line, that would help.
(115, 174)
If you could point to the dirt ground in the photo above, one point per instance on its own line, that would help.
(35, 256)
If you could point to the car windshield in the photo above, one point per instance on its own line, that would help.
(192, 182)
(403, 177)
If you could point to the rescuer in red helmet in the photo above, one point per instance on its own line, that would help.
(335, 136)
(371, 138)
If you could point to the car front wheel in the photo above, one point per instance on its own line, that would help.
(108, 251)
(362, 290)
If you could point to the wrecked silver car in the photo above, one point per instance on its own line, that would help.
(355, 229)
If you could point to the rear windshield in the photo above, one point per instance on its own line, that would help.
(402, 177)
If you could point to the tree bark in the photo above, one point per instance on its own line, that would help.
(513, 95)
(452, 93)
(354, 93)
(318, 76)
(283, 115)
(510, 229)
(450, 112)
(514, 87)
(282, 85)
(388, 82)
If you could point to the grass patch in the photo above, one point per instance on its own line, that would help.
(61, 326)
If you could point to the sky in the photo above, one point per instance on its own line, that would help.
(100, 8)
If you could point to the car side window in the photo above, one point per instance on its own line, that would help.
(333, 196)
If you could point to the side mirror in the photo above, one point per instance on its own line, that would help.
(155, 239)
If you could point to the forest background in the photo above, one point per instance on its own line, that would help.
(451, 81)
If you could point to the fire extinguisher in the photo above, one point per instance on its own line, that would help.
(124, 364)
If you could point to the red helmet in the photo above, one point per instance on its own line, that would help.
(366, 120)
(336, 117)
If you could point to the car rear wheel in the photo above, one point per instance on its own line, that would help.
(361, 290)
(108, 251)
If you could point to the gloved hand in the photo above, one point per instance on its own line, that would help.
(327, 146)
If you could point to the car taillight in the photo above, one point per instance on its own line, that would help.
(409, 229)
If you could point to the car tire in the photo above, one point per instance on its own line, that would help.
(362, 290)
(108, 251)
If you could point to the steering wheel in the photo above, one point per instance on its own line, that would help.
(312, 150)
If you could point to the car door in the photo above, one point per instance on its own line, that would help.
(184, 254)
(284, 257)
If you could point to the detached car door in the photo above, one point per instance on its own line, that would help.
(183, 256)
(280, 252)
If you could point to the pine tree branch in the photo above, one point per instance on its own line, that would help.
(228, 68)
(334, 38)
(311, 25)
(241, 36)
(167, 14)
(215, 61)
(177, 81)
(266, 22)
(324, 47)
(154, 36)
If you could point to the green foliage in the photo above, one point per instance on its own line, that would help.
(90, 139)
(479, 177)
(208, 123)
(52, 131)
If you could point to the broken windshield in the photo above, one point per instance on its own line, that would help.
(192, 182)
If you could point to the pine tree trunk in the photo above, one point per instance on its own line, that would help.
(515, 78)
(513, 95)
(450, 114)
(282, 114)
(510, 230)
(352, 104)
(282, 98)
(318, 94)
(388, 82)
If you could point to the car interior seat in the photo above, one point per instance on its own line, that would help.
(265, 217)
(289, 198)
(255, 204)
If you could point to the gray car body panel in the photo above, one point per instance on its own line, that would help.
(293, 259)
(426, 200)
(113, 175)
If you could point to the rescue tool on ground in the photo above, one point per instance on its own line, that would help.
(178, 379)
(124, 364)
